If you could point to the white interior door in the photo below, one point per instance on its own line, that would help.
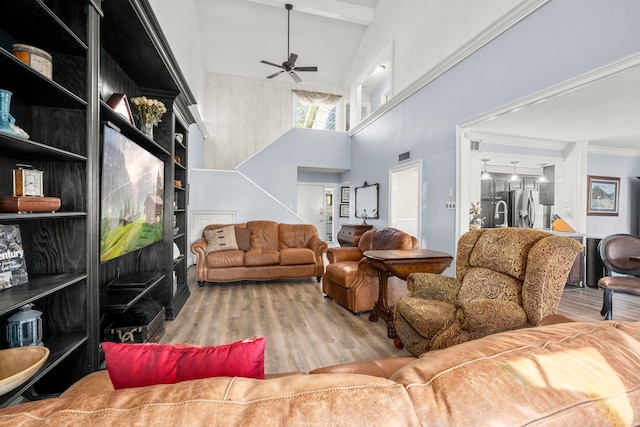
(404, 198)
(311, 201)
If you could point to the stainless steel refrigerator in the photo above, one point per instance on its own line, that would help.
(524, 209)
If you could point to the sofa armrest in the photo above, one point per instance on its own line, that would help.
(317, 245)
(344, 254)
(433, 286)
(484, 315)
(199, 248)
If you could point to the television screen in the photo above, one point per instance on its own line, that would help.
(132, 188)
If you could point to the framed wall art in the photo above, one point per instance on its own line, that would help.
(344, 211)
(603, 196)
(344, 194)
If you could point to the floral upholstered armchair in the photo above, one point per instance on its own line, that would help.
(506, 278)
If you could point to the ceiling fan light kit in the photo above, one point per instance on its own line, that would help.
(289, 66)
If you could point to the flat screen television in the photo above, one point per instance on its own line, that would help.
(132, 189)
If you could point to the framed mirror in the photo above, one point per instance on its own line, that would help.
(367, 201)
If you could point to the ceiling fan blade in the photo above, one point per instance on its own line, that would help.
(271, 63)
(292, 59)
(275, 74)
(306, 68)
(295, 77)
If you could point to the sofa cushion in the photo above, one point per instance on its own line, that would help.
(343, 273)
(221, 239)
(318, 400)
(297, 256)
(481, 282)
(563, 374)
(264, 234)
(296, 235)
(139, 365)
(223, 259)
(258, 257)
(243, 237)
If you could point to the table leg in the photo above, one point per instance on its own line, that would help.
(380, 308)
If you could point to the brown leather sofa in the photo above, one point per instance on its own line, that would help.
(556, 375)
(350, 281)
(277, 251)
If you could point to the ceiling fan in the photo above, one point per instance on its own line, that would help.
(289, 66)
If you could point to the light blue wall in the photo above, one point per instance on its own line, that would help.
(275, 168)
(627, 169)
(214, 190)
(265, 186)
(561, 40)
(196, 148)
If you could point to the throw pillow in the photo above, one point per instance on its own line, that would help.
(221, 239)
(243, 237)
(140, 365)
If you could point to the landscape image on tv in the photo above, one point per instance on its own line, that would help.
(132, 186)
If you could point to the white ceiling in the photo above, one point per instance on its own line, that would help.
(605, 112)
(238, 34)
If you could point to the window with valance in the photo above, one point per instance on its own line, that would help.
(316, 110)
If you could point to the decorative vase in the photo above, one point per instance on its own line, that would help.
(474, 226)
(147, 129)
(7, 122)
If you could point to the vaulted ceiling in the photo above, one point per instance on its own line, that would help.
(238, 34)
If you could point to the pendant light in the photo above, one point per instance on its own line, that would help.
(485, 175)
(515, 176)
(542, 178)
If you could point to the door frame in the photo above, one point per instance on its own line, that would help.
(416, 164)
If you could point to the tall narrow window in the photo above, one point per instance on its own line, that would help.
(316, 110)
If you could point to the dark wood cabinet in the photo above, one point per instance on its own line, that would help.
(577, 273)
(98, 48)
(349, 234)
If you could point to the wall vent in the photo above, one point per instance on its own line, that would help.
(404, 156)
(475, 145)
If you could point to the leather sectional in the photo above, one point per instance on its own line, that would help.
(555, 375)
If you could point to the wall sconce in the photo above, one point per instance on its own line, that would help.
(485, 175)
(515, 176)
(329, 199)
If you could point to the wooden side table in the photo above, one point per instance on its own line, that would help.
(401, 263)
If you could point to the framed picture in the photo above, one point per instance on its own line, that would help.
(344, 194)
(603, 195)
(120, 104)
(344, 211)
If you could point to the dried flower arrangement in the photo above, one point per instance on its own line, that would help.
(148, 110)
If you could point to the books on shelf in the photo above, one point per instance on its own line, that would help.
(13, 268)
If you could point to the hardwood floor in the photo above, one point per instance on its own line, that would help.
(305, 330)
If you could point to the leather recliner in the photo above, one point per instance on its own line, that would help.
(351, 282)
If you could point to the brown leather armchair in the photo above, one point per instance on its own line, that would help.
(506, 278)
(350, 281)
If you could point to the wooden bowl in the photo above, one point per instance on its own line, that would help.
(19, 364)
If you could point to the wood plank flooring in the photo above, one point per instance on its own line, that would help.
(305, 330)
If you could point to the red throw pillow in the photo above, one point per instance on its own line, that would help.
(139, 365)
